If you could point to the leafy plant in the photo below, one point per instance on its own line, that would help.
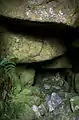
(8, 85)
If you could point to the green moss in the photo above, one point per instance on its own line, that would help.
(16, 102)
(75, 104)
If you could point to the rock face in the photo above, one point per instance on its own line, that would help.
(29, 49)
(18, 87)
(75, 104)
(41, 10)
(48, 98)
(56, 103)
(47, 93)
(26, 76)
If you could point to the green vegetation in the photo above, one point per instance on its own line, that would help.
(15, 103)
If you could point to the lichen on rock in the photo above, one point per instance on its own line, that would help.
(60, 11)
(28, 49)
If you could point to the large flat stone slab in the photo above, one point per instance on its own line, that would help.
(60, 11)
(28, 49)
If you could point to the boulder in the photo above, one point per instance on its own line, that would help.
(26, 76)
(26, 49)
(75, 104)
(60, 11)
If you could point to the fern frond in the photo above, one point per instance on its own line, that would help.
(9, 71)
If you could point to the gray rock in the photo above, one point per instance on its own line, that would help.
(42, 109)
(35, 109)
(53, 101)
(46, 86)
(26, 49)
(56, 101)
(75, 104)
(52, 82)
(26, 76)
(60, 11)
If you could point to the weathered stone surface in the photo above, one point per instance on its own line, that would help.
(49, 82)
(59, 63)
(17, 95)
(75, 104)
(57, 97)
(25, 75)
(40, 10)
(29, 49)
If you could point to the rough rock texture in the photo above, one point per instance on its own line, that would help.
(29, 49)
(61, 62)
(17, 95)
(63, 11)
(75, 104)
(25, 75)
(48, 99)
(56, 102)
(51, 82)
